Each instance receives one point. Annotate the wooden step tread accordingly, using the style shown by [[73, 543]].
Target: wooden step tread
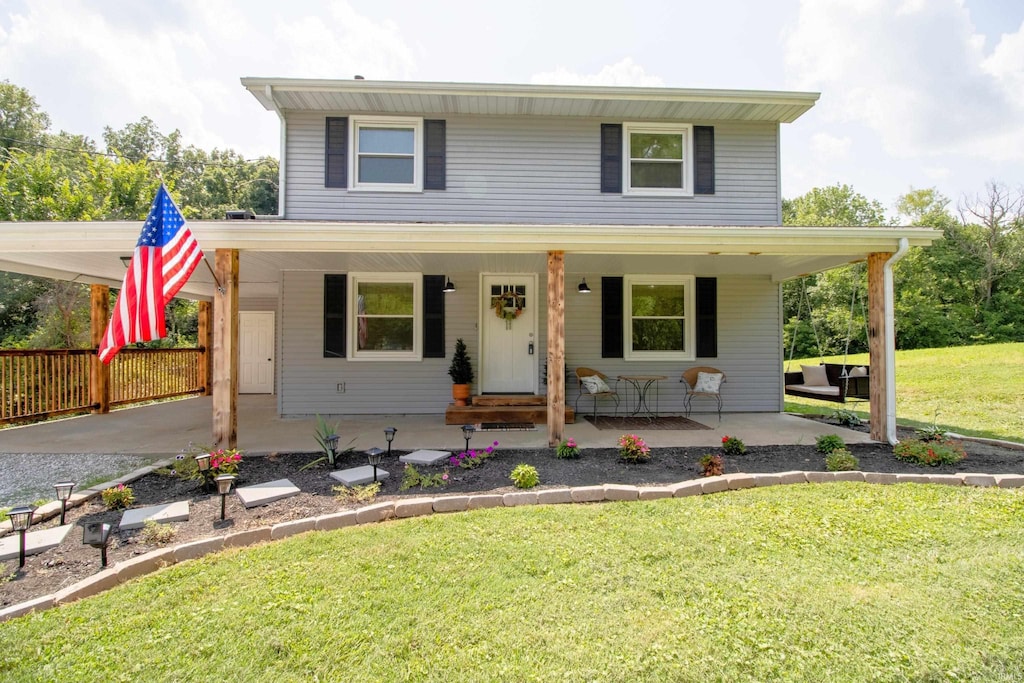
[[457, 415], [510, 400]]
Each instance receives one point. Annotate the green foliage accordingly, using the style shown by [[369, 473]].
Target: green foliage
[[568, 449], [711, 465], [633, 449], [22, 122], [733, 445], [931, 453], [845, 418], [118, 497], [155, 533], [524, 476], [840, 460], [472, 458], [826, 443], [322, 432], [411, 478], [357, 495], [460, 369]]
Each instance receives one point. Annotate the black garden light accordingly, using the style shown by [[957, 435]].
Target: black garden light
[[389, 436], [467, 433], [97, 534], [374, 457], [331, 441], [224, 483], [64, 489], [21, 520]]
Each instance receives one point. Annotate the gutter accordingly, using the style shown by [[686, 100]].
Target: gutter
[[890, 342], [269, 90]]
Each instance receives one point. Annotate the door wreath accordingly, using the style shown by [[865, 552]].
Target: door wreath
[[509, 305]]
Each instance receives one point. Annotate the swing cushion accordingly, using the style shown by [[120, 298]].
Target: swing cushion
[[858, 372], [814, 376]]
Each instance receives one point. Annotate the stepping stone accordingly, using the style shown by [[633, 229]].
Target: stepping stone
[[357, 476], [423, 457], [268, 492], [35, 542], [136, 518]]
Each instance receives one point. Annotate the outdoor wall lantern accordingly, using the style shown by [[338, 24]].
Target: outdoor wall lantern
[[224, 483], [64, 489], [449, 287], [374, 456], [389, 435], [21, 520], [97, 534], [467, 433], [584, 287]]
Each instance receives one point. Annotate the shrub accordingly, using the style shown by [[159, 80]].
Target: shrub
[[733, 446], [472, 458], [524, 476], [118, 497], [568, 449], [155, 533], [358, 495], [222, 461], [826, 443], [411, 477], [932, 453], [845, 418], [633, 449], [711, 465], [841, 460], [933, 433]]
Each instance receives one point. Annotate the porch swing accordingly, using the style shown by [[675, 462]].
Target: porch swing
[[835, 382]]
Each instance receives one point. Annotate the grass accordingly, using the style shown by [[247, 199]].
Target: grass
[[973, 390], [838, 582]]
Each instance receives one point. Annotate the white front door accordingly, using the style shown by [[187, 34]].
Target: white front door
[[256, 352], [509, 347]]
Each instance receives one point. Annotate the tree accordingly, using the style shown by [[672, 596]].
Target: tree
[[22, 123], [992, 232]]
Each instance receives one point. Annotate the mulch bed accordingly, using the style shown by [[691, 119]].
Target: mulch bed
[[71, 561]]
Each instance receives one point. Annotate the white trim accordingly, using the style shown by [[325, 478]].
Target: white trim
[[685, 130], [358, 122], [532, 301], [689, 283], [416, 280]]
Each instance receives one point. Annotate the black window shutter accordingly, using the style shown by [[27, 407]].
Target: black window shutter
[[434, 165], [611, 158], [335, 152], [707, 317], [611, 317], [703, 160], [433, 316], [335, 288]]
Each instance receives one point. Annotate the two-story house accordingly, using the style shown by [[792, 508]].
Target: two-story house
[[633, 230]]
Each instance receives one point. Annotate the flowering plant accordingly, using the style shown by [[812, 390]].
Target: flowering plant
[[225, 461], [412, 477], [711, 465], [733, 446], [472, 458], [568, 449], [117, 497], [633, 449], [931, 453]]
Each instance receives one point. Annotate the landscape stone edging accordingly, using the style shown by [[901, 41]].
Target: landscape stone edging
[[417, 507]]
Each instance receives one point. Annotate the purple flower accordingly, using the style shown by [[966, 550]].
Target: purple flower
[[495, 444], [489, 449]]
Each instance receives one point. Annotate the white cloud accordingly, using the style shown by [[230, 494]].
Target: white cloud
[[915, 72], [625, 72], [826, 146]]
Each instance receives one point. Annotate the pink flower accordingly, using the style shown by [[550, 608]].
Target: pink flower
[[444, 477]]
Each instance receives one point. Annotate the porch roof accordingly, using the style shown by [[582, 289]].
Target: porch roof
[[89, 251]]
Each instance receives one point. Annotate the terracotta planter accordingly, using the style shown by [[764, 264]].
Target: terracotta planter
[[460, 392]]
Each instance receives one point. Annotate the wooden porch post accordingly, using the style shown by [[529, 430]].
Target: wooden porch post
[[225, 351], [205, 340], [877, 357], [99, 373], [556, 347]]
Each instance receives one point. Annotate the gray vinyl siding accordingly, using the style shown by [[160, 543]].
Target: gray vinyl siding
[[748, 346], [539, 170]]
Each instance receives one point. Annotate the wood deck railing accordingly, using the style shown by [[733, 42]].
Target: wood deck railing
[[40, 383]]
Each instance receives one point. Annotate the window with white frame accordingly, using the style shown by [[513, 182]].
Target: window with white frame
[[660, 320], [387, 153], [385, 311], [658, 158]]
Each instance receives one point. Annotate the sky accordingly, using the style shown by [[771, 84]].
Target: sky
[[914, 93]]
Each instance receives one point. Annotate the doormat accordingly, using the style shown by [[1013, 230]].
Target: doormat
[[506, 427], [671, 422]]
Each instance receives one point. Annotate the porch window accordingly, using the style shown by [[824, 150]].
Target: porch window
[[385, 312], [386, 153], [658, 159], [660, 324]]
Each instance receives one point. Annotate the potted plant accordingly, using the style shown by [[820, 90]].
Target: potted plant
[[461, 372]]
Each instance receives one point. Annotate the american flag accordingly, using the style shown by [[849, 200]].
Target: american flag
[[164, 258]]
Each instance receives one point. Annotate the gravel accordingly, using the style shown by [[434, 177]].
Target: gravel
[[28, 477]]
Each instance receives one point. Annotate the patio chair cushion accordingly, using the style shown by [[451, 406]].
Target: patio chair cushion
[[708, 382], [595, 385], [814, 375], [859, 371]]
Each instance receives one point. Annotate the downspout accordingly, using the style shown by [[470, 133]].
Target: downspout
[[890, 342], [281, 163]]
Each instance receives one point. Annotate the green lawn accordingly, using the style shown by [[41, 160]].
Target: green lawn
[[975, 390], [841, 582]]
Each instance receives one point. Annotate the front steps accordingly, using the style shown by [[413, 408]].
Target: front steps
[[504, 410]]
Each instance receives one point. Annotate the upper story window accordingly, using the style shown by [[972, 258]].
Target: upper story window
[[385, 313], [658, 159], [660, 319], [387, 153]]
